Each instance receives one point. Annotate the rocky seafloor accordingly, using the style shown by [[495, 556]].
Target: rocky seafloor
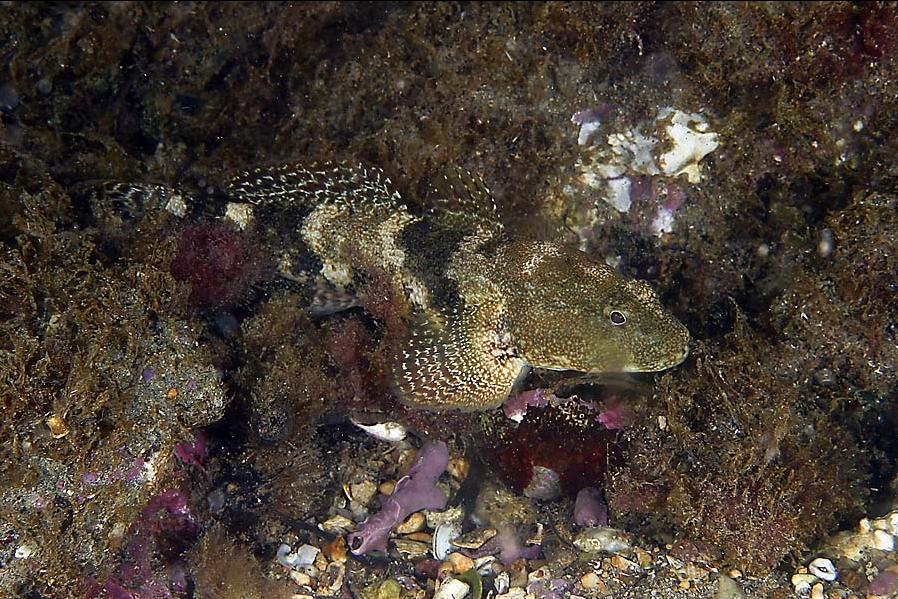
[[176, 425]]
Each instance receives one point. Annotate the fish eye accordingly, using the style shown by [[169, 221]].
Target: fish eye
[[617, 317]]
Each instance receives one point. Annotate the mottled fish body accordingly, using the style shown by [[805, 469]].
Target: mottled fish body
[[482, 308]]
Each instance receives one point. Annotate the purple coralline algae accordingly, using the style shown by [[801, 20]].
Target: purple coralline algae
[[417, 490]]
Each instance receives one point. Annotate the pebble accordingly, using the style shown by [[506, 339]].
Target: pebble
[[817, 591], [362, 492], [414, 523], [457, 563], [300, 578], [590, 581], [335, 550], [452, 589], [474, 539], [458, 468], [883, 540], [643, 558], [337, 525], [603, 539], [802, 583], [411, 549], [622, 563], [727, 588], [513, 593]]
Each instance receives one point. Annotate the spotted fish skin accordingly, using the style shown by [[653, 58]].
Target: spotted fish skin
[[482, 308]]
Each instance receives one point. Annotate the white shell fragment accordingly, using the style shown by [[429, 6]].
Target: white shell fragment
[[452, 589], [502, 582], [303, 556], [443, 536], [823, 569], [670, 146], [392, 432], [692, 140]]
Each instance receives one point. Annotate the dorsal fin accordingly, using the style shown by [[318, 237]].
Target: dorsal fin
[[356, 186], [461, 200], [119, 202]]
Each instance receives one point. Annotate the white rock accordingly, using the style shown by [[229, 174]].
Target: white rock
[[727, 588], [802, 583], [452, 589], [883, 541], [502, 582], [303, 556], [817, 591], [603, 539], [618, 193], [692, 142], [823, 569]]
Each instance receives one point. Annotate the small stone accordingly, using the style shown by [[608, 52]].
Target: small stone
[[300, 578], [622, 563], [643, 558], [388, 589], [414, 523], [474, 539], [386, 487], [412, 549], [817, 591], [363, 492], [802, 583], [883, 541], [590, 581], [727, 588], [333, 577], [58, 427], [823, 569], [603, 539], [501, 583], [458, 563], [459, 468], [337, 525], [452, 589]]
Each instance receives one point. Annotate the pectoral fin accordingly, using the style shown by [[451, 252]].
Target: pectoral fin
[[464, 366]]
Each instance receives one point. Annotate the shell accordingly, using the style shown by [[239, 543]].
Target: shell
[[442, 539]]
